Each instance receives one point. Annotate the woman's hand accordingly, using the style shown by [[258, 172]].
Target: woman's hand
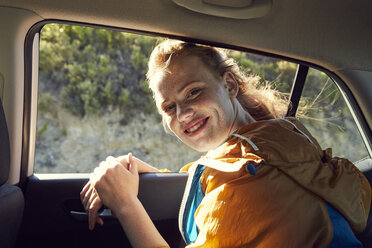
[[116, 182], [89, 197]]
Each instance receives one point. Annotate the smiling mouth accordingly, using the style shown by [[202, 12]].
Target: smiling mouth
[[197, 127]]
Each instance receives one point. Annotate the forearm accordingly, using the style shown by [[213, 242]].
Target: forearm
[[146, 168], [138, 226]]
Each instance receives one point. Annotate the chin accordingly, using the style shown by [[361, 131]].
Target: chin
[[201, 147]]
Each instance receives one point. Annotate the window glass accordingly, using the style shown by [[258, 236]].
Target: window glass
[[93, 99], [324, 112]]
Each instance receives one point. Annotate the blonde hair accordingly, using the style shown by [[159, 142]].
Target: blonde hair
[[261, 102]]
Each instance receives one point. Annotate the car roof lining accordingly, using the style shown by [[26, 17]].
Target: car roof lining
[[288, 20]]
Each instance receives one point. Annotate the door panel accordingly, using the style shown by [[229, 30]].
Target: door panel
[[48, 221]]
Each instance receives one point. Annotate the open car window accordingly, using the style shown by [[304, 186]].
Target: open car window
[[323, 110], [93, 102]]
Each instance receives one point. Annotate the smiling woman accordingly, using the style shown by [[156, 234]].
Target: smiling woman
[[253, 161], [74, 90]]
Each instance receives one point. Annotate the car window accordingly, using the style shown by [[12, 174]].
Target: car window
[[93, 99], [323, 110]]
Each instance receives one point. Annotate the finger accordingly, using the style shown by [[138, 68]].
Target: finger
[[86, 187], [92, 198], [130, 158], [132, 166], [84, 190], [87, 198], [100, 220], [92, 179], [110, 160], [123, 157], [98, 171], [93, 212], [115, 162], [92, 220], [124, 161]]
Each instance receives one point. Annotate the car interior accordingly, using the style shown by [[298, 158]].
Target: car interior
[[41, 208]]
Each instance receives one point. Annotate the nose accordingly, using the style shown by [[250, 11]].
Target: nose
[[184, 112]]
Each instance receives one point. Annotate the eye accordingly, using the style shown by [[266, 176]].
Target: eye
[[169, 108], [193, 93]]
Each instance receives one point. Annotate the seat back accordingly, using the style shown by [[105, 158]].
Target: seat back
[[11, 197]]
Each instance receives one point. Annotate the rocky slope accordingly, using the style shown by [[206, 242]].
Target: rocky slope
[[67, 143]]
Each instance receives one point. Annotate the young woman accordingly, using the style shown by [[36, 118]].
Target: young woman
[[265, 182]]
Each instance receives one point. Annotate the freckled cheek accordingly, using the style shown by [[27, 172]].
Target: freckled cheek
[[212, 105], [203, 101], [171, 122]]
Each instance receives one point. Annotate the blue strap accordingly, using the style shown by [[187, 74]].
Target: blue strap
[[194, 199], [343, 236], [251, 168]]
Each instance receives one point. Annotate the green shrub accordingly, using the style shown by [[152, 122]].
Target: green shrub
[[44, 102], [95, 68], [42, 130]]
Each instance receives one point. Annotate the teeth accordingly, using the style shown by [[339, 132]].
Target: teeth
[[194, 128]]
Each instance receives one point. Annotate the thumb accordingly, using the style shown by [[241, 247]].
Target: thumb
[[132, 165]]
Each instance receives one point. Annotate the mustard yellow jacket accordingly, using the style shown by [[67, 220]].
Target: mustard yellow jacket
[[280, 201]]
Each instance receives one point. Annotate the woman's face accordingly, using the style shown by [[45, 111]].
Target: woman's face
[[197, 105]]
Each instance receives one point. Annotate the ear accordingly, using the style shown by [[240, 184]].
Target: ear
[[231, 84]]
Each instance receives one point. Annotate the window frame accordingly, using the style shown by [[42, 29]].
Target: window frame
[[31, 67]]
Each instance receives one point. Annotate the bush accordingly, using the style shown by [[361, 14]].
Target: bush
[[44, 102], [95, 68]]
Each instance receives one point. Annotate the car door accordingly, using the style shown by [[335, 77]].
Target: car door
[[71, 124]]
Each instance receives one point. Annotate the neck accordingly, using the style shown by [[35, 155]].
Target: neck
[[242, 117]]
